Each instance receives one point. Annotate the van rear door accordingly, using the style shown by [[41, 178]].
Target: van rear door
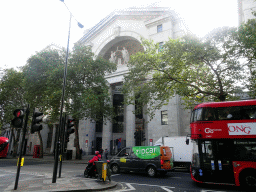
[[166, 158]]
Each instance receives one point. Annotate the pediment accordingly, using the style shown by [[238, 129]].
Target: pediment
[[148, 15]]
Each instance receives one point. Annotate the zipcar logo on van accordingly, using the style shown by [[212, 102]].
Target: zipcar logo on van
[[209, 130]]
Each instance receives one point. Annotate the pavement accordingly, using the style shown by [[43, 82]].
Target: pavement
[[42, 183]]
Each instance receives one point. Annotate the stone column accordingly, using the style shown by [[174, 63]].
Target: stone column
[[107, 129], [106, 135], [130, 125]]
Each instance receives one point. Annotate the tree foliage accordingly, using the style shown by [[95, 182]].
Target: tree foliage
[[246, 47], [198, 70], [43, 81], [11, 94], [87, 87]]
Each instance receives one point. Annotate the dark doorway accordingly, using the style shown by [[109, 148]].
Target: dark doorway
[[98, 143]]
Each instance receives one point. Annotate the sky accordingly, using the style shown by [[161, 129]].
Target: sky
[[28, 26]]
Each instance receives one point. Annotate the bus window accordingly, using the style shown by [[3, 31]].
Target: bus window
[[207, 149], [236, 113], [192, 116], [197, 115], [209, 114], [245, 150]]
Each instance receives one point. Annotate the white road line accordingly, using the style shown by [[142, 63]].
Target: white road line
[[131, 187], [164, 188], [210, 191], [115, 175], [149, 185]]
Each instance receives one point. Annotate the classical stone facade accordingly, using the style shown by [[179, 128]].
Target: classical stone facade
[[115, 38], [245, 8]]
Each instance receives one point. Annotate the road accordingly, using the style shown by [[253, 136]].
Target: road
[[172, 182]]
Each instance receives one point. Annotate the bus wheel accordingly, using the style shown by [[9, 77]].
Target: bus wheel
[[115, 168], [249, 180], [151, 171]]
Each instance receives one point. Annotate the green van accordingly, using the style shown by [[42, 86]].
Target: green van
[[149, 159]]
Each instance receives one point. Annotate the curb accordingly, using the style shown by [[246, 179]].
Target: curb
[[97, 189]]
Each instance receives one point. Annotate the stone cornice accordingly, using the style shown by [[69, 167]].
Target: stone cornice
[[146, 14]]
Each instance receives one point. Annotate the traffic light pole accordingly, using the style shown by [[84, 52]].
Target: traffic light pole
[[21, 149]]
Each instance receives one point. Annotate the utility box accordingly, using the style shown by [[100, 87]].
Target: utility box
[[36, 152]]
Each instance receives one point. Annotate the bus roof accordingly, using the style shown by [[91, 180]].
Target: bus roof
[[227, 104]]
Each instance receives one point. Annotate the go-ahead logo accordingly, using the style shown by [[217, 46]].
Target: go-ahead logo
[[209, 130]]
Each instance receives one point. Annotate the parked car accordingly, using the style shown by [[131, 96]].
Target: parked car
[[149, 159]]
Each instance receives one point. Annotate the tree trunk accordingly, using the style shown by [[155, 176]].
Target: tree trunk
[[41, 155], [78, 154], [222, 96]]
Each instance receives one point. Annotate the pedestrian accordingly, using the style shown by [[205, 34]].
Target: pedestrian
[[106, 154], [92, 170]]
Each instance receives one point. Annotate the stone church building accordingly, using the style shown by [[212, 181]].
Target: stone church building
[[116, 38]]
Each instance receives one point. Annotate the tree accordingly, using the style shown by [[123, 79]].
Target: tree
[[87, 88], [11, 98], [246, 46], [198, 70], [43, 78]]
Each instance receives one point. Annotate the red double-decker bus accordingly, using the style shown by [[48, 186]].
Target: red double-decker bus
[[4, 144], [224, 143]]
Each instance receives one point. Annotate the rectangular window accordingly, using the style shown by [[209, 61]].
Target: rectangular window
[[164, 118], [99, 124], [160, 46], [159, 28]]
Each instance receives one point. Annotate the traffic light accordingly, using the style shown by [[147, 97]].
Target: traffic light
[[70, 129], [136, 134], [18, 119], [35, 126], [143, 138]]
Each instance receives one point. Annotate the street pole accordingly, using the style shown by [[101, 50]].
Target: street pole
[[57, 142], [61, 108], [62, 141], [21, 149]]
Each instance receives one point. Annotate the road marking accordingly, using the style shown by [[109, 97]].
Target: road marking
[[115, 175], [210, 191], [164, 188], [131, 187], [149, 185]]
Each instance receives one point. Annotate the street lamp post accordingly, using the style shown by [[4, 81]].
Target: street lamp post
[[62, 124]]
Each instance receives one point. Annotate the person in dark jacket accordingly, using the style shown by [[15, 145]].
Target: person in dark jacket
[[106, 154]]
